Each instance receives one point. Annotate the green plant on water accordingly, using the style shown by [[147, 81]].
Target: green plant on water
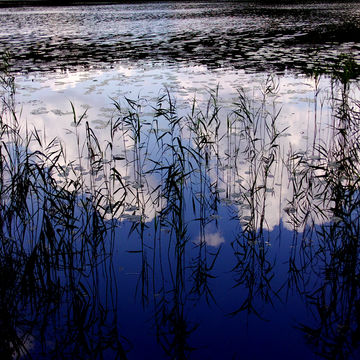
[[345, 69]]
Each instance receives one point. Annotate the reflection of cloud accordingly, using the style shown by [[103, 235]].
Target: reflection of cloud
[[240, 171], [211, 239], [275, 192]]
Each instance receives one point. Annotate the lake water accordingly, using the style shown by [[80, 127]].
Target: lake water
[[193, 186]]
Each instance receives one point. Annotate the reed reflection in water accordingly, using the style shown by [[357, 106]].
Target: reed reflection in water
[[187, 209]]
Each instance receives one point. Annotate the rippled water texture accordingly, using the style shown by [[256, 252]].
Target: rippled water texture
[[180, 181], [241, 35]]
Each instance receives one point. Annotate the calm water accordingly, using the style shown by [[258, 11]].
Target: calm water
[[201, 203]]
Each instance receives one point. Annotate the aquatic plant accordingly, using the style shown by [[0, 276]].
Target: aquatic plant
[[158, 190], [52, 239]]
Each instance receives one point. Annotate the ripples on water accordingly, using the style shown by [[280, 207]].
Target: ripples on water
[[162, 194], [241, 35]]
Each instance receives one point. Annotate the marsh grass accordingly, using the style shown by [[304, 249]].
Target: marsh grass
[[169, 179], [52, 245], [327, 187]]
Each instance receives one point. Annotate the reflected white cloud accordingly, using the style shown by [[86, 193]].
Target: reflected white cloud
[[300, 118], [214, 239]]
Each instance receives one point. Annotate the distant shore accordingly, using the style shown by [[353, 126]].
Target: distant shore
[[21, 3]]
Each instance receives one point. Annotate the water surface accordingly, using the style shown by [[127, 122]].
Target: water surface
[[241, 35], [179, 181]]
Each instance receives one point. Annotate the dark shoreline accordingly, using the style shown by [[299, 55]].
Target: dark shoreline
[[26, 3]]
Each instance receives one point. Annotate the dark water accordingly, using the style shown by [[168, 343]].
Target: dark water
[[240, 35], [216, 234]]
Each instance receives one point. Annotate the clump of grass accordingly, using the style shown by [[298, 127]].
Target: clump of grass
[[51, 235], [327, 187], [60, 217], [346, 69]]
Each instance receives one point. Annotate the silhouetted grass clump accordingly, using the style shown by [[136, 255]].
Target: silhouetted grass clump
[[160, 177]]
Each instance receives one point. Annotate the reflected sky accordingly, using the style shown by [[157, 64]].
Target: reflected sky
[[220, 207], [204, 207], [301, 107]]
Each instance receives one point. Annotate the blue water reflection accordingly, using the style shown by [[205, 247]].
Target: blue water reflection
[[194, 213], [180, 245]]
